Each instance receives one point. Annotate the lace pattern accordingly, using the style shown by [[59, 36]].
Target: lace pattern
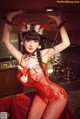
[[39, 81]]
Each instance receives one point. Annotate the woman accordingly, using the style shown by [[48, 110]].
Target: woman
[[51, 98]]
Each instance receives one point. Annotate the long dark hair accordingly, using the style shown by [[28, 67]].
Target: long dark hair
[[33, 35], [40, 61]]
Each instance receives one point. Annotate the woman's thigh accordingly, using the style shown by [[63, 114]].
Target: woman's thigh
[[54, 109], [37, 108]]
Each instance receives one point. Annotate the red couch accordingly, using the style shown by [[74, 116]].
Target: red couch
[[16, 106]]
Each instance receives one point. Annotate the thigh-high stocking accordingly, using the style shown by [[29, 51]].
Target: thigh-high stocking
[[37, 108], [54, 109]]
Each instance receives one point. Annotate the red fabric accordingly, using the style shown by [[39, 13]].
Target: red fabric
[[43, 85], [5, 104], [18, 107], [39, 81]]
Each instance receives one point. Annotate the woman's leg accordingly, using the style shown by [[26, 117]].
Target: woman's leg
[[37, 108], [55, 108]]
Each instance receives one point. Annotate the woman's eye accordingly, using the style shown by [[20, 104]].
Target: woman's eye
[[28, 40], [35, 40]]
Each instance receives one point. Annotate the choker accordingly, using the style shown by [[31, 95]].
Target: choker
[[29, 55]]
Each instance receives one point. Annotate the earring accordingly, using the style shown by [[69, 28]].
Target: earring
[[39, 47]]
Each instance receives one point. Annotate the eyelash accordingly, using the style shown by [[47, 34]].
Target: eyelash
[[34, 40]]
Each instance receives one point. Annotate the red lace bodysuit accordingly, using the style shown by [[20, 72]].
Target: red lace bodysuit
[[40, 82]]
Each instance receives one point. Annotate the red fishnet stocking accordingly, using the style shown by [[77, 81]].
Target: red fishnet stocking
[[54, 109], [37, 108]]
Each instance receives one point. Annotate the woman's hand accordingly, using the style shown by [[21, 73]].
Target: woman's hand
[[11, 15], [56, 18]]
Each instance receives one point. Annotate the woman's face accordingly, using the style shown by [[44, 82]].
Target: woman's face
[[31, 45]]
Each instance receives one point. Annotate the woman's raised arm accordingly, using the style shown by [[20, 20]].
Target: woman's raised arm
[[6, 35], [65, 42]]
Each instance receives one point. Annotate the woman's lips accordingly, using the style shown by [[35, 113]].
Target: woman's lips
[[30, 48]]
